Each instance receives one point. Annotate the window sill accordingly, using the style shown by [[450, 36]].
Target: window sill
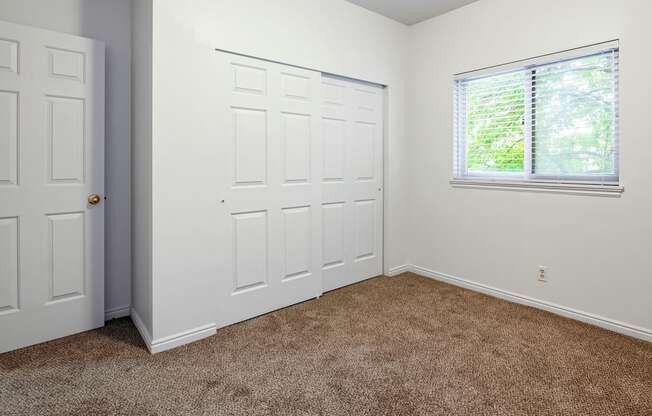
[[612, 191]]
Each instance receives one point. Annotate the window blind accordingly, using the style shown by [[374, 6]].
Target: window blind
[[548, 119]]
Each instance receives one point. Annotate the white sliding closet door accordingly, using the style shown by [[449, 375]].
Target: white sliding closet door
[[270, 220], [352, 181]]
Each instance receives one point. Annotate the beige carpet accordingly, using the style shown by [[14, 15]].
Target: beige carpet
[[388, 346]]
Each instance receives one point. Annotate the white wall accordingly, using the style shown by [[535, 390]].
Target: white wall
[[108, 21], [596, 249], [141, 98], [328, 35]]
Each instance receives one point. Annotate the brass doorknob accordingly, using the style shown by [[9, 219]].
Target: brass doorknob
[[94, 199]]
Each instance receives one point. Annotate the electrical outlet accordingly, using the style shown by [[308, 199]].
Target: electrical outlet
[[542, 274]]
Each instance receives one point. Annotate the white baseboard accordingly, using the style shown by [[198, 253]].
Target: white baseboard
[[600, 321], [142, 329], [182, 338], [395, 271], [173, 341], [115, 313]]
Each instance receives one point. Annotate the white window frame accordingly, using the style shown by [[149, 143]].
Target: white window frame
[[604, 185]]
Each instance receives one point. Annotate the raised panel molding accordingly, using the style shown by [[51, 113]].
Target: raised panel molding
[[67, 64], [333, 149], [333, 234], [364, 158], [9, 53], [250, 144], [249, 79], [333, 94], [66, 139], [366, 100], [296, 86], [296, 139], [9, 264], [298, 242], [365, 229], [9, 138], [66, 268], [250, 251]]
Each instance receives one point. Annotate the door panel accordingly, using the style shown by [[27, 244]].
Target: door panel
[[250, 135], [352, 181], [334, 230], [250, 233], [9, 243], [363, 161], [365, 230], [8, 137], [51, 160], [9, 55], [297, 243], [295, 136], [67, 65], [334, 150], [65, 137], [270, 250], [66, 255]]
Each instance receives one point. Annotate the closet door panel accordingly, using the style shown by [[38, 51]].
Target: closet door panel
[[269, 199], [352, 181]]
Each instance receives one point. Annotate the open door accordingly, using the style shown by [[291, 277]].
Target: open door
[[51, 185]]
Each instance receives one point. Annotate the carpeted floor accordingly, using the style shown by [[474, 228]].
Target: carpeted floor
[[388, 346]]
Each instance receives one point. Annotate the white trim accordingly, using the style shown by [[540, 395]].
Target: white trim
[[142, 329], [527, 68], [260, 58], [589, 318], [613, 191], [182, 338], [395, 271], [541, 60], [172, 341], [115, 313]]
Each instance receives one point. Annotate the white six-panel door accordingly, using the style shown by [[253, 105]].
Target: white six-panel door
[[270, 220], [300, 189], [352, 182], [51, 160]]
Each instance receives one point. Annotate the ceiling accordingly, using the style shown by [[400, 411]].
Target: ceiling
[[411, 11]]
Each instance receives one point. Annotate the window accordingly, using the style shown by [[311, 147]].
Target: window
[[552, 119]]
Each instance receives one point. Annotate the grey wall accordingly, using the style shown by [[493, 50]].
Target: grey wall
[[109, 21]]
